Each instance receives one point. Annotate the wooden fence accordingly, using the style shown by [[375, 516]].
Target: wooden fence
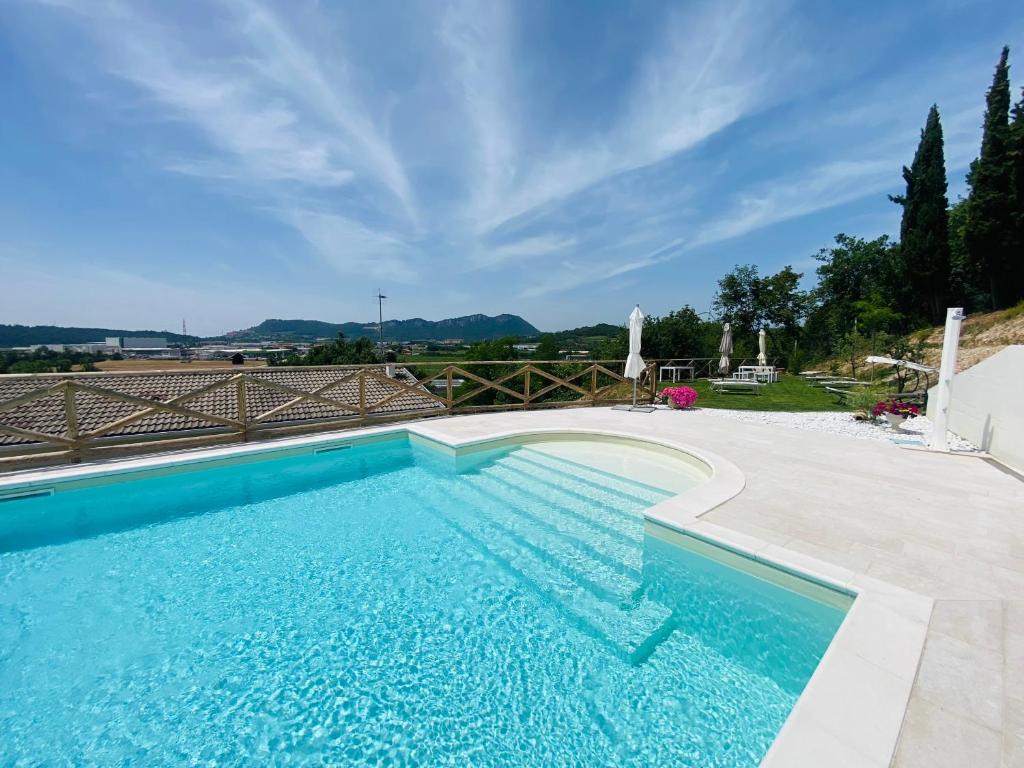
[[49, 418]]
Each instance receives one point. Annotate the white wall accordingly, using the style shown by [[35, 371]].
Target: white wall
[[988, 406]]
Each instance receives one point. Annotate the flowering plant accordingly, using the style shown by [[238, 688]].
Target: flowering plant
[[896, 407], [680, 397]]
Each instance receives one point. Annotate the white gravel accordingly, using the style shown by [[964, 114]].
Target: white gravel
[[917, 430]]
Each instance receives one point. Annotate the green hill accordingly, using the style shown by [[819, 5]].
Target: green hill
[[468, 328], [27, 335]]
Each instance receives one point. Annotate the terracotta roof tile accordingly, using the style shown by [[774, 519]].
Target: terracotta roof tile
[[46, 414]]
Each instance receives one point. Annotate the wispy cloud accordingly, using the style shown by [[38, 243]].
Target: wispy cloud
[[569, 274], [812, 190], [352, 248], [296, 69], [708, 71], [524, 249], [479, 36], [276, 120]]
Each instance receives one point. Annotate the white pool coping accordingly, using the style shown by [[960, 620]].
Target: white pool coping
[[851, 711]]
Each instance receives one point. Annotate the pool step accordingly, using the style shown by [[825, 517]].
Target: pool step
[[618, 485], [588, 484], [619, 537], [632, 625], [604, 577], [614, 516]]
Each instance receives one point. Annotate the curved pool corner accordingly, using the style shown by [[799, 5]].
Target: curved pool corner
[[723, 479]]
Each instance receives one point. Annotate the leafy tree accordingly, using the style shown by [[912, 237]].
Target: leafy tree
[[774, 302], [677, 334], [30, 366], [495, 350], [341, 351], [547, 348], [614, 347], [498, 349], [924, 231], [858, 284], [965, 281], [989, 234]]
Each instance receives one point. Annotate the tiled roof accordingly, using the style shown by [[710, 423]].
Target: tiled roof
[[47, 414]]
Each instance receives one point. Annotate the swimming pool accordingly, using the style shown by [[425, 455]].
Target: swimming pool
[[384, 603]]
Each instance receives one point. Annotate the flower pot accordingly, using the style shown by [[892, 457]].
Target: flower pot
[[895, 420]]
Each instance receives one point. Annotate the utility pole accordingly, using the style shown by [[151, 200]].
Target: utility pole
[[186, 352], [380, 322]]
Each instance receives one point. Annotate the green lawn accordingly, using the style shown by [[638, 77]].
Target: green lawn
[[440, 358], [789, 393]]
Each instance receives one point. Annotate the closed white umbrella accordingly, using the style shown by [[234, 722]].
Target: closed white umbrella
[[725, 348], [762, 349], [635, 365]]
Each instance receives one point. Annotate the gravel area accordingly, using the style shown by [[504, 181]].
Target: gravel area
[[915, 431]]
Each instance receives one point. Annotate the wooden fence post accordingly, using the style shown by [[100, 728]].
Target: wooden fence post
[[362, 394], [449, 398], [243, 406], [71, 419]]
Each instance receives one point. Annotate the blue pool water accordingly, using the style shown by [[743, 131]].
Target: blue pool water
[[371, 606]]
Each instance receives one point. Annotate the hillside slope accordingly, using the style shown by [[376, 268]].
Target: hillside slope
[[26, 335], [981, 336]]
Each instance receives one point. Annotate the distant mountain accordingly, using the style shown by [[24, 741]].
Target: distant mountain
[[468, 328], [26, 335]]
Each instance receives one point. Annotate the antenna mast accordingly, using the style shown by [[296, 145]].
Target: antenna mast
[[380, 322]]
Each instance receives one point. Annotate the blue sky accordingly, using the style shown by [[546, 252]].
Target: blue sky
[[236, 160]]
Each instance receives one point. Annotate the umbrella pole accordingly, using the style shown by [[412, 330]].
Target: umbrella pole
[[634, 393]]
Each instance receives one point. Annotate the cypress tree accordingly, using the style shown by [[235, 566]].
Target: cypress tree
[[1017, 160], [989, 231], [924, 231]]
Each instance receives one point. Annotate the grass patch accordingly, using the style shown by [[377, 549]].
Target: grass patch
[[439, 358], [789, 393]]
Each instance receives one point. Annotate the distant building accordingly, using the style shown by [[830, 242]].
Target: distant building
[[49, 347], [574, 354], [143, 342], [92, 347], [238, 359], [525, 347]]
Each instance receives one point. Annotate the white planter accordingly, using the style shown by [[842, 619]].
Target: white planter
[[895, 420]]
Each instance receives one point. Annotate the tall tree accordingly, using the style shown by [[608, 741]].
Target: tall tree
[[989, 234], [924, 231], [966, 288], [1017, 159]]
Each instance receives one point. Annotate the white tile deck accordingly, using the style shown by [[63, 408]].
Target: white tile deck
[[905, 529]]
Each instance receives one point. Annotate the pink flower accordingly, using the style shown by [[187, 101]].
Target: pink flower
[[896, 407], [681, 397]]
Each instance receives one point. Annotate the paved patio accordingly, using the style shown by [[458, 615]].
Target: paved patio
[[947, 527]]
